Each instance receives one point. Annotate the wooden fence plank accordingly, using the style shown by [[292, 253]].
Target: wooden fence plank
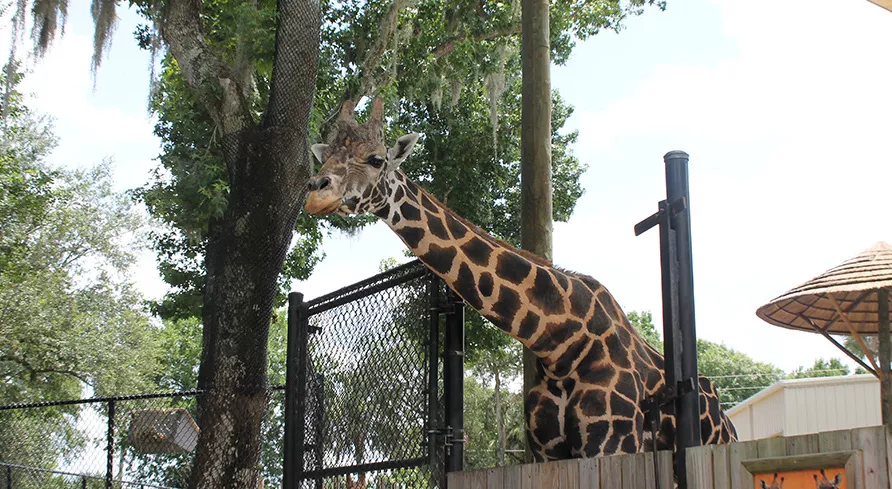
[[495, 478], [872, 441], [481, 479], [649, 479], [511, 478], [737, 453], [455, 480], [802, 444], [721, 475], [529, 476], [569, 474], [667, 472], [634, 471], [699, 467], [611, 472], [835, 441], [589, 475], [548, 475], [889, 454], [771, 447]]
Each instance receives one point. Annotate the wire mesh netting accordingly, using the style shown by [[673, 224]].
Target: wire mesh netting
[[368, 384], [142, 441]]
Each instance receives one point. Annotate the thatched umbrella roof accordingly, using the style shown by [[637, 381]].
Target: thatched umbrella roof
[[839, 300]]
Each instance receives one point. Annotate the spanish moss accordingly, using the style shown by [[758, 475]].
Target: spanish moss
[[49, 15], [18, 27], [104, 18], [494, 86]]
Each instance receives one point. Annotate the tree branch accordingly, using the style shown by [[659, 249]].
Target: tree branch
[[450, 46], [295, 64], [204, 72]]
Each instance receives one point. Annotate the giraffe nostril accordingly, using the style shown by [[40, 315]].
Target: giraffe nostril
[[319, 183]]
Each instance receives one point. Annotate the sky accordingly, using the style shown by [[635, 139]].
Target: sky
[[783, 106]]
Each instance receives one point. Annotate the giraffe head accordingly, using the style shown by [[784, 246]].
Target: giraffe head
[[356, 164], [824, 483], [775, 483]]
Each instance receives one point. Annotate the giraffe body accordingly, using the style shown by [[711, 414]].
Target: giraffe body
[[596, 370]]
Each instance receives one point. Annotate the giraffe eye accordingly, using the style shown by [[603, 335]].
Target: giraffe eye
[[375, 161]]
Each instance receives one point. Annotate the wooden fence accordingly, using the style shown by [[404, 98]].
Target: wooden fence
[[864, 453], [619, 471]]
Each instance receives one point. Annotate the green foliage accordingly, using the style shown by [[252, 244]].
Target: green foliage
[[189, 192], [494, 405], [481, 425], [821, 368], [430, 52], [67, 310], [69, 317], [643, 323], [735, 374]]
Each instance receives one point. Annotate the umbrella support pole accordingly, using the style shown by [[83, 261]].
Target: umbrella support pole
[[884, 354]]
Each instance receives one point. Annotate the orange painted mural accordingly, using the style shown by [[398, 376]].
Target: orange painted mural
[[802, 479]]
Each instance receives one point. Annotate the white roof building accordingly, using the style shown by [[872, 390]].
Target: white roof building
[[802, 406]]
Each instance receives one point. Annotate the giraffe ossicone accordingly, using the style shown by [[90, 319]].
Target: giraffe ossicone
[[596, 369]]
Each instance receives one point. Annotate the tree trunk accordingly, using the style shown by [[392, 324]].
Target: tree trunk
[[244, 258], [500, 421], [535, 160], [268, 167]]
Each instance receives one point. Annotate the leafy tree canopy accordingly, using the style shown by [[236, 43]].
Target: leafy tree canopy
[[455, 67], [735, 374], [821, 368], [68, 312]]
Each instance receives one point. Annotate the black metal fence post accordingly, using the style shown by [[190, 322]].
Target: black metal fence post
[[453, 383], [110, 452], [688, 402], [679, 329], [433, 377], [8, 477], [295, 390]]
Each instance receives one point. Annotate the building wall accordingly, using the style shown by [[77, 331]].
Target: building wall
[[801, 406], [827, 406], [761, 418]]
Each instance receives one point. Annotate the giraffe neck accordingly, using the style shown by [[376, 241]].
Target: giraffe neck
[[555, 314]]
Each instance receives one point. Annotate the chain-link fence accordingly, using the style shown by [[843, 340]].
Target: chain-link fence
[[366, 408], [372, 403], [142, 441]]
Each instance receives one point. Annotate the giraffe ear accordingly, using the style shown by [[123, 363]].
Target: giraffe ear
[[317, 150], [401, 150], [837, 480], [764, 486]]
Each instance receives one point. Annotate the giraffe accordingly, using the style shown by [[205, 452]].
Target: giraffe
[[775, 483], [595, 368], [824, 483]]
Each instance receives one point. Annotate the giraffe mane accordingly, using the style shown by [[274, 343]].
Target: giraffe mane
[[587, 279], [486, 235]]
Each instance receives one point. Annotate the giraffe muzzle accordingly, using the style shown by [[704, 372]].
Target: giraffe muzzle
[[320, 202]]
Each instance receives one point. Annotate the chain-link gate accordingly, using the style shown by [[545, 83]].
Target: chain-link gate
[[367, 364]]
